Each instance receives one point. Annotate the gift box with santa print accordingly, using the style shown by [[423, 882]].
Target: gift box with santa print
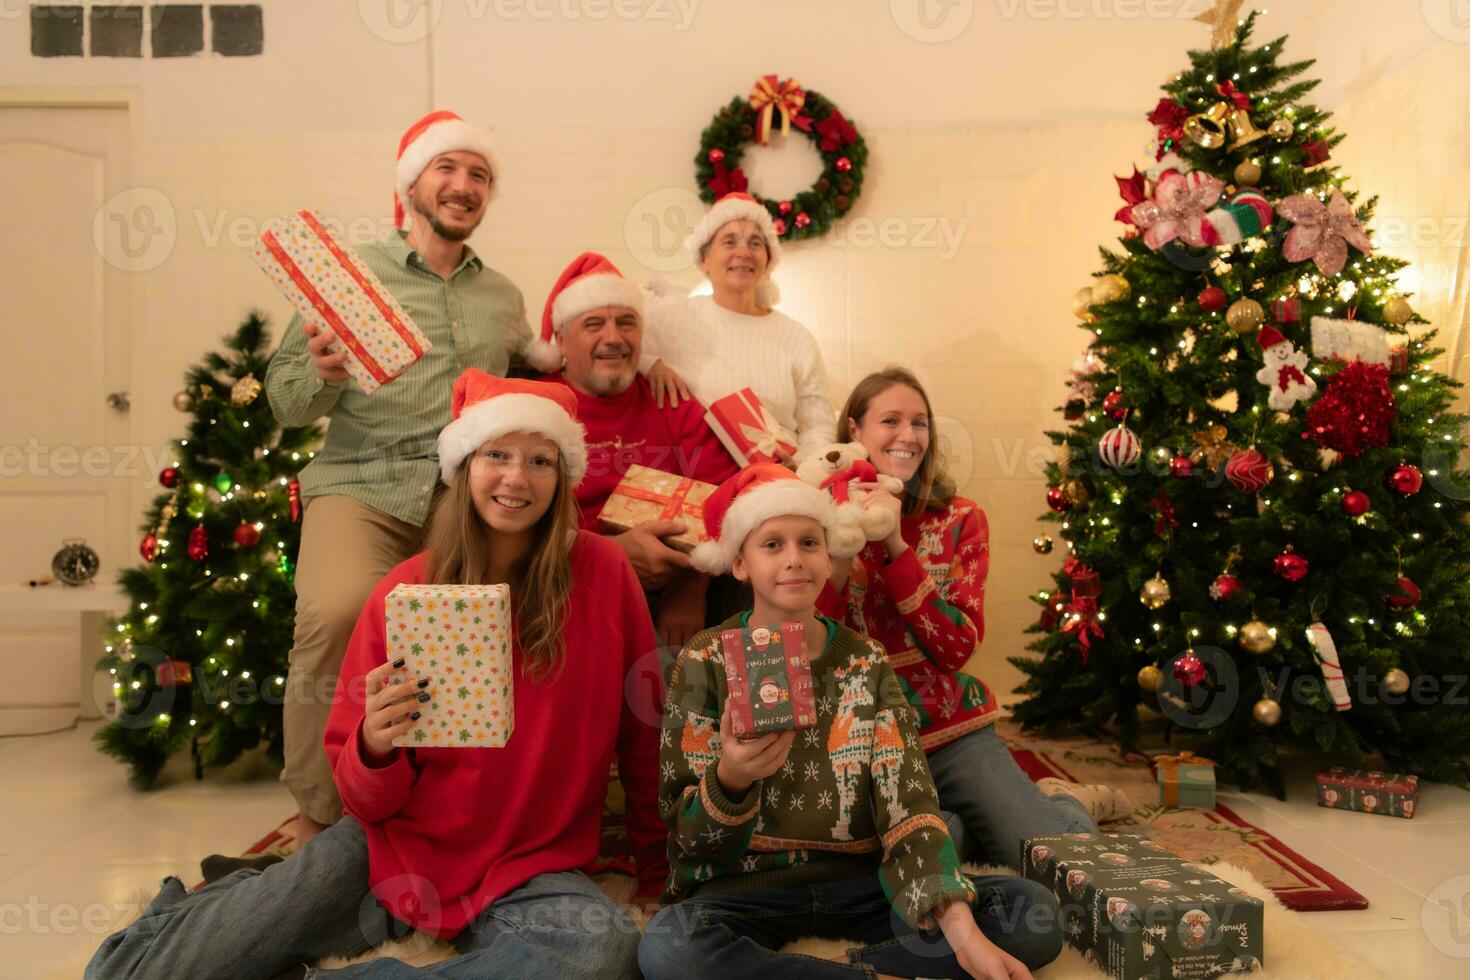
[[1135, 910], [1368, 791], [769, 682], [646, 494], [747, 429], [457, 636], [331, 286]]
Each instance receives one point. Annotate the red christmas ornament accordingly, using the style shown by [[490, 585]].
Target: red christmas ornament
[[293, 494], [1315, 152], [1355, 503], [1249, 470], [1112, 405], [1189, 670], [198, 543], [1353, 413], [1290, 565], [1211, 298], [1405, 480], [802, 219], [1057, 500], [169, 478], [779, 226], [1180, 467], [716, 155], [148, 547], [1225, 587], [1407, 594], [246, 535], [843, 165], [784, 207]]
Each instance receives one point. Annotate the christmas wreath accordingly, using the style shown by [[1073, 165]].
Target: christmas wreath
[[746, 120]]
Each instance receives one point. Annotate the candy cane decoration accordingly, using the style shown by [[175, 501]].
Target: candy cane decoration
[[1326, 651]]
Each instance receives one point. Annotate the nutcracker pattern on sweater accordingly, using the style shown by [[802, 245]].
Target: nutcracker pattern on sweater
[[853, 798], [927, 609]]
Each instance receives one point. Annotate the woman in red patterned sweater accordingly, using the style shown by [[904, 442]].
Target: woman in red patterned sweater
[[921, 593]]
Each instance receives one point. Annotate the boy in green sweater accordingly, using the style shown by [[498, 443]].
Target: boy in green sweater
[[833, 831]]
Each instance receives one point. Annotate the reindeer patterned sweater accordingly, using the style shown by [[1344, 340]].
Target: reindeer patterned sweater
[[854, 797]]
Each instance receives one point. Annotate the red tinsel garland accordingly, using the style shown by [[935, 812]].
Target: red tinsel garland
[[1355, 411]]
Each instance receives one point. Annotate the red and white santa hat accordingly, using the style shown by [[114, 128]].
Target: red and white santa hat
[[439, 132], [753, 496], [735, 206], [486, 407], [1268, 337], [590, 282]]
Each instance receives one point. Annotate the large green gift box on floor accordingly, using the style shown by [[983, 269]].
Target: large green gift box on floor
[[1135, 910]]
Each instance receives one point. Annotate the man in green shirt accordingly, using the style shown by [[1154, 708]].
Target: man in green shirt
[[368, 491]]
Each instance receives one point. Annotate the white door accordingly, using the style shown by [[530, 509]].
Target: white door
[[66, 462]]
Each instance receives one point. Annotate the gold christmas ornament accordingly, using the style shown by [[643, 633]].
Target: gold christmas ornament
[[244, 391], [1155, 592], [1110, 289], [1397, 311], [184, 402], [1245, 315], [1041, 544], [1256, 637], [1082, 305], [1207, 129], [1266, 713], [1242, 130], [1395, 681], [1076, 492], [1150, 677], [1247, 173], [1280, 128]]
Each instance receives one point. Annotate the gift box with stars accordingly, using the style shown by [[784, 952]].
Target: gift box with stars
[[457, 636], [1136, 910]]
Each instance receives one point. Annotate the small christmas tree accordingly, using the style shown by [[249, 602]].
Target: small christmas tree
[[1259, 492], [200, 658]]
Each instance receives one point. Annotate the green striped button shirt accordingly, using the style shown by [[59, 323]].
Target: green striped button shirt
[[382, 448]]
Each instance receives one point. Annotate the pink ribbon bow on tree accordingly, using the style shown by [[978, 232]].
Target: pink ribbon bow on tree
[[1177, 209], [1322, 232]]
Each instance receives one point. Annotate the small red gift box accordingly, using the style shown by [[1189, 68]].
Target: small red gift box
[[1368, 791], [647, 494], [1286, 310], [1398, 360], [747, 429], [174, 673]]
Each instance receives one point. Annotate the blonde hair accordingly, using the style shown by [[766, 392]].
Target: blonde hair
[[458, 546], [930, 488]]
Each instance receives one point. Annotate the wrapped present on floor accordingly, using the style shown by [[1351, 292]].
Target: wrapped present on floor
[[458, 636], [330, 285], [646, 494], [769, 683], [1135, 910], [1186, 781], [1368, 791], [747, 429]]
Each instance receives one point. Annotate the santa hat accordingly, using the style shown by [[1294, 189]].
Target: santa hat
[[590, 282], [753, 496], [438, 132], [739, 206], [486, 407], [1268, 337]]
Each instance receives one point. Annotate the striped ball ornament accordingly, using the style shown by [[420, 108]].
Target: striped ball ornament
[[1249, 470], [1119, 447]]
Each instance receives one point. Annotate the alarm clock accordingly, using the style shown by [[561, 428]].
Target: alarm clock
[[75, 563]]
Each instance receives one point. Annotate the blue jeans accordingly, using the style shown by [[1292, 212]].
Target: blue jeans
[[992, 806], [318, 904], [736, 934]]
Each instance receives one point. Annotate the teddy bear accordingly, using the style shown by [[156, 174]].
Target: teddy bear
[[838, 466]]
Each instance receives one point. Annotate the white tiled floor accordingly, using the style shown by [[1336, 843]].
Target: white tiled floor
[[78, 842]]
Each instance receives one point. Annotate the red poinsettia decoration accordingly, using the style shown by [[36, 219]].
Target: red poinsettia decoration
[[1132, 191], [1169, 116], [726, 181], [836, 132], [1228, 90], [1354, 412]]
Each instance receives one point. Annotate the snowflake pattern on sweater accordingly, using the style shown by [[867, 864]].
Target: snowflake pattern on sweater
[[858, 796]]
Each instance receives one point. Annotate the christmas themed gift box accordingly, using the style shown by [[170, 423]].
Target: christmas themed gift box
[[747, 429], [646, 494], [458, 636], [1135, 910], [329, 285], [1186, 781], [1368, 791], [769, 683]]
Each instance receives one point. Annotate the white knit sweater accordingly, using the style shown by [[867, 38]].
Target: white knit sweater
[[718, 352]]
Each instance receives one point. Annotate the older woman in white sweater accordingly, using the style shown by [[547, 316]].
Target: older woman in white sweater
[[715, 345]]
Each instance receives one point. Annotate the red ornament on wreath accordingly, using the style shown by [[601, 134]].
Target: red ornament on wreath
[[784, 207], [1189, 670], [1211, 298], [716, 155], [1407, 596], [198, 543], [1405, 479], [1225, 587], [169, 478], [1355, 503], [843, 165], [1056, 499], [148, 547], [247, 535], [1290, 566], [780, 227], [1249, 471]]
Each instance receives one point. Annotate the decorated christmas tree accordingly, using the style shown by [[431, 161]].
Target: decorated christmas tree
[[199, 660], [1258, 492]]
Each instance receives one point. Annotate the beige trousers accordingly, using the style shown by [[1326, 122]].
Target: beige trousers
[[346, 549]]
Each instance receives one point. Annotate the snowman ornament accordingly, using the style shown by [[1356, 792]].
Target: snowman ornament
[[1285, 373]]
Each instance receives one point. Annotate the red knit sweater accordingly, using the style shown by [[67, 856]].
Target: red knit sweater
[[451, 830], [927, 608]]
